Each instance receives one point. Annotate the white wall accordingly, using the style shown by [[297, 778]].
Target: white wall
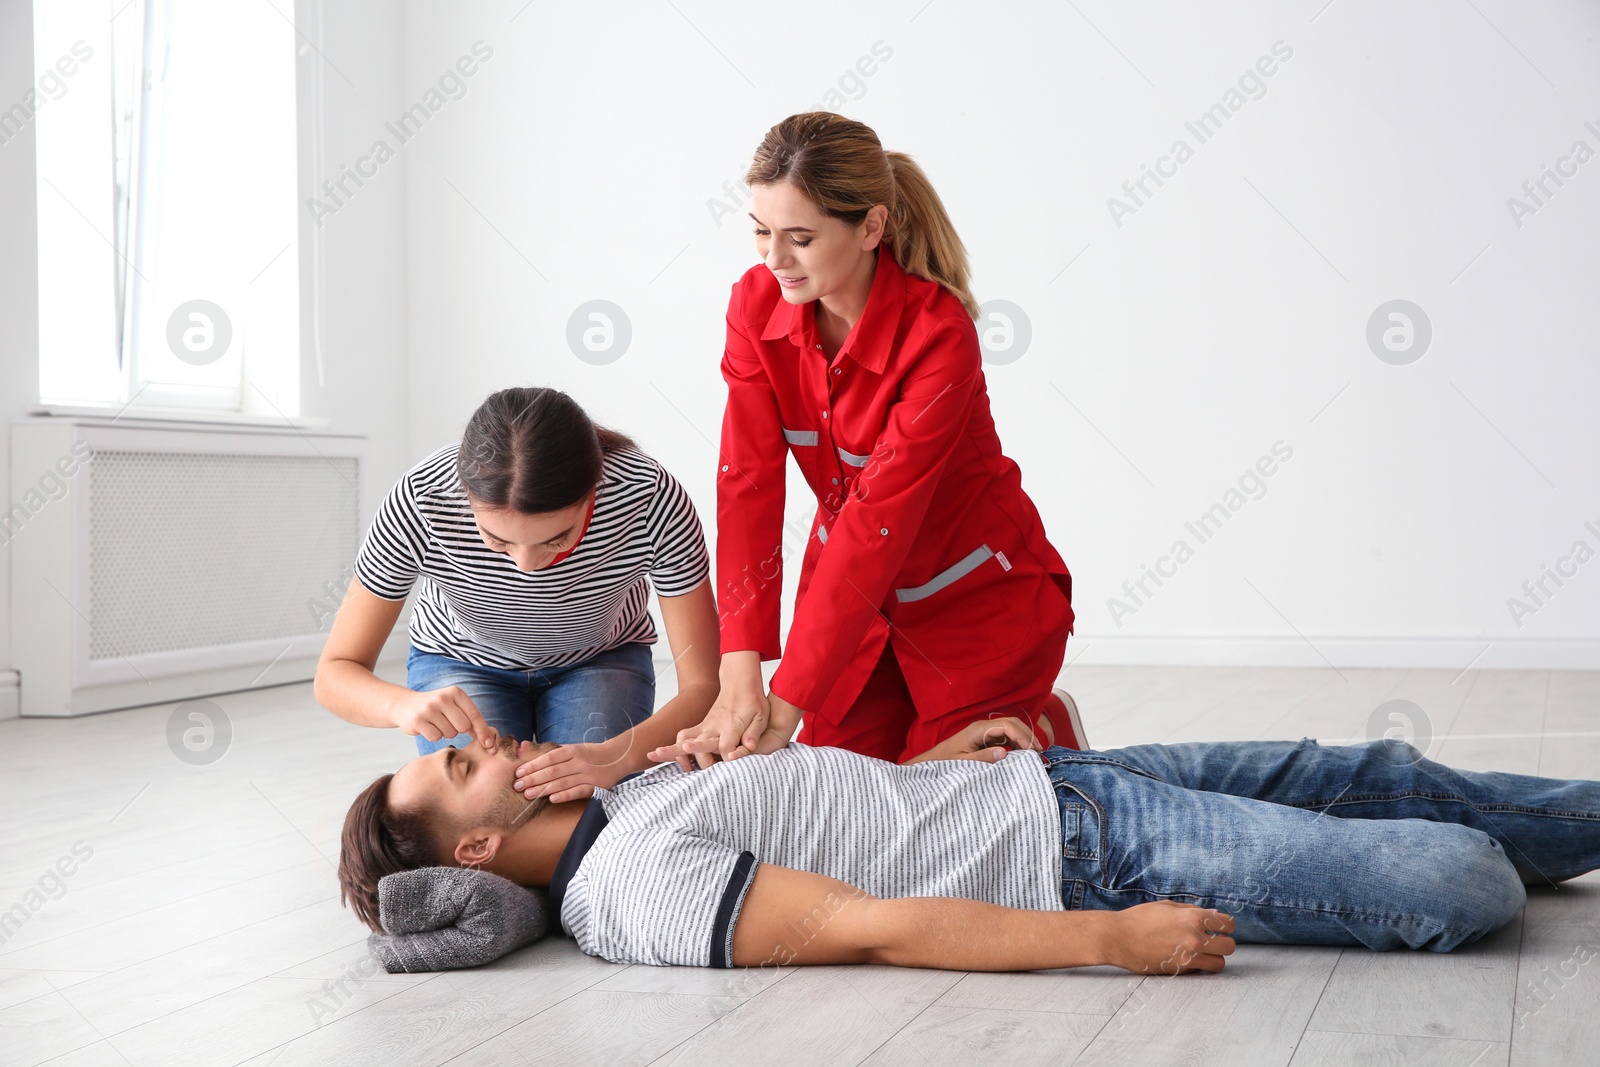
[[1221, 316], [1226, 313], [19, 292], [358, 380], [361, 385]]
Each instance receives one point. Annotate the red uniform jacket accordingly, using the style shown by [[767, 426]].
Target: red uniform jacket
[[922, 537]]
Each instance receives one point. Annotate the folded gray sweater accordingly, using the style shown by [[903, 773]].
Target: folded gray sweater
[[443, 918]]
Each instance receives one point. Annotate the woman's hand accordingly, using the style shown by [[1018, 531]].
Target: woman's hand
[[986, 739], [442, 713], [1168, 937], [704, 743], [572, 772], [734, 722], [732, 728]]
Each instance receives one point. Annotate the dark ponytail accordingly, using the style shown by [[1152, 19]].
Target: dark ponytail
[[533, 450]]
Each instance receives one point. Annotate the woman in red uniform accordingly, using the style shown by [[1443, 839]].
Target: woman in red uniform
[[929, 596]]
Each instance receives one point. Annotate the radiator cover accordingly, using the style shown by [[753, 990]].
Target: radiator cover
[[177, 562], [199, 550]]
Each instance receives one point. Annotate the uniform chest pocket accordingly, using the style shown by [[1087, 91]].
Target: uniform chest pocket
[[854, 459], [810, 439]]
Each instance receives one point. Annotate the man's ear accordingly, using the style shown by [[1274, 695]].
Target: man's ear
[[478, 847]]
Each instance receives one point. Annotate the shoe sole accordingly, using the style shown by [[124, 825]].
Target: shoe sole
[[1074, 723]]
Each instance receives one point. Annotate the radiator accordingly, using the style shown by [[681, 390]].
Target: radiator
[[154, 564]]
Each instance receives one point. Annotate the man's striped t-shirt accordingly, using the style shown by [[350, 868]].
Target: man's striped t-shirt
[[658, 867], [473, 604]]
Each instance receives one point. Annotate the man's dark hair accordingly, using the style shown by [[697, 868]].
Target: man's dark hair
[[533, 450], [379, 839]]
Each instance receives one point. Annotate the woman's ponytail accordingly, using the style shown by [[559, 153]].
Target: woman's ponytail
[[924, 239], [841, 166]]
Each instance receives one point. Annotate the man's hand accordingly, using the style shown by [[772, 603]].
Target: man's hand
[[572, 772], [987, 739], [1166, 937]]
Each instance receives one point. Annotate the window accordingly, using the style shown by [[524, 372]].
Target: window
[[168, 231]]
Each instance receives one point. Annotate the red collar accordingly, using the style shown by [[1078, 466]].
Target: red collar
[[573, 547], [872, 335]]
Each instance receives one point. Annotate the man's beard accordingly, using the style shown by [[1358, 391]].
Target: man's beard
[[514, 809], [504, 811]]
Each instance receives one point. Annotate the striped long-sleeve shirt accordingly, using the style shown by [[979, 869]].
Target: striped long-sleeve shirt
[[473, 604], [658, 867]]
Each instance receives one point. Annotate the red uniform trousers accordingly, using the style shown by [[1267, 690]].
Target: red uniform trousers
[[883, 722]]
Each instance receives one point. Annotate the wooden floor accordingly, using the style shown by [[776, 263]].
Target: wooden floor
[[205, 928]]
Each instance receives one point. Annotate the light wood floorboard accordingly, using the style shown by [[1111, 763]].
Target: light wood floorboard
[[205, 928]]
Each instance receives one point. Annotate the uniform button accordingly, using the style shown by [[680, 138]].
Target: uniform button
[[884, 531], [819, 348], [724, 466], [824, 414], [836, 481]]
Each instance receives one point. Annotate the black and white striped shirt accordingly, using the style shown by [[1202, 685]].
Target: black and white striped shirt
[[473, 604], [658, 867]]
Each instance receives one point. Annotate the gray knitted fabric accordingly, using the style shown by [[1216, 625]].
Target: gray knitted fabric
[[443, 918]]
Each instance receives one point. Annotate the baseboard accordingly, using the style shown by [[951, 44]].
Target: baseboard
[[166, 689], [1500, 653]]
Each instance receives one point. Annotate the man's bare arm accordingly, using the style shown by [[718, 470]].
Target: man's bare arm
[[987, 740], [794, 916]]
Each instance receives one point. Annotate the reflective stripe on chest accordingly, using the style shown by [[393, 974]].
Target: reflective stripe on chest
[[853, 459]]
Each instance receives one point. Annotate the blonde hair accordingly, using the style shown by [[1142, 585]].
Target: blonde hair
[[841, 166]]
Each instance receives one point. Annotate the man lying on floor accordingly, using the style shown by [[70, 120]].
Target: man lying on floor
[[973, 857]]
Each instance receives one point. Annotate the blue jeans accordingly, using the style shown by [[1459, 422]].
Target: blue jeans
[[1350, 844], [593, 700]]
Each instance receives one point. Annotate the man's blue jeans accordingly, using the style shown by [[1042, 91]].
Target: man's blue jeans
[[594, 700], [1303, 844]]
